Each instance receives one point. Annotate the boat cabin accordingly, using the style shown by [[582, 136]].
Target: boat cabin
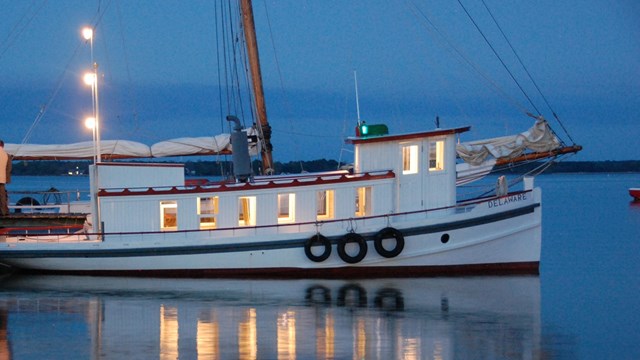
[[393, 174], [424, 163]]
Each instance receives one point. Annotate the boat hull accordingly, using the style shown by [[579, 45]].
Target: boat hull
[[635, 193], [499, 235]]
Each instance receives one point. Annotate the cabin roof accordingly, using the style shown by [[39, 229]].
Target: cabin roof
[[408, 136]]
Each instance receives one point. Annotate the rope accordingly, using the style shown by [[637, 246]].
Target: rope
[[439, 34], [535, 84], [499, 58], [19, 28]]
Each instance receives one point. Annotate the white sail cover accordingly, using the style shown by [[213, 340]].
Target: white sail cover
[[86, 149], [539, 138], [191, 146], [206, 145]]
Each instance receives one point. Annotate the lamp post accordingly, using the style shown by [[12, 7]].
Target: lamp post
[[90, 123], [91, 79]]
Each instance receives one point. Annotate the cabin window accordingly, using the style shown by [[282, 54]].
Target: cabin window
[[363, 201], [247, 211], [436, 155], [207, 212], [286, 208], [168, 215], [410, 159], [324, 204]]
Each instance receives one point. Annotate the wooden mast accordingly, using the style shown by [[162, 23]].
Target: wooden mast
[[256, 78]]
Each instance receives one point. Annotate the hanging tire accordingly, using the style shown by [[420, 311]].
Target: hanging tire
[[26, 201], [389, 233], [352, 238], [317, 240]]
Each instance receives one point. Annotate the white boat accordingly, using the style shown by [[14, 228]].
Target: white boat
[[395, 214]]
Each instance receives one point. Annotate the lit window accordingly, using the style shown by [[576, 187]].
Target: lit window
[[324, 204], [207, 212], [363, 201], [286, 208], [409, 159], [247, 211], [168, 215], [436, 155]]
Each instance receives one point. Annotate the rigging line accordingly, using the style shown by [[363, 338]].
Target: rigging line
[[498, 56], [466, 59], [225, 49], [19, 27], [58, 86], [128, 70], [447, 84], [275, 55], [535, 84], [238, 53], [235, 73], [217, 34], [240, 57]]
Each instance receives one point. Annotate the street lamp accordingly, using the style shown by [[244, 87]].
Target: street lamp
[[91, 79]]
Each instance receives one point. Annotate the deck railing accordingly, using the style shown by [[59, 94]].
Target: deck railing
[[349, 224], [50, 201]]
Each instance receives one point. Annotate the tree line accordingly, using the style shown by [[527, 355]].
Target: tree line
[[223, 168], [195, 168]]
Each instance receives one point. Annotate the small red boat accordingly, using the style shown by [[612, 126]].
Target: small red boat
[[635, 193]]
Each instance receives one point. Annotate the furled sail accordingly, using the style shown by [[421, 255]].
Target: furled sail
[[81, 150], [125, 149], [538, 138], [481, 156]]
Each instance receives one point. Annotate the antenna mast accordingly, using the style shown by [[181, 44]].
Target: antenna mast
[[355, 78]]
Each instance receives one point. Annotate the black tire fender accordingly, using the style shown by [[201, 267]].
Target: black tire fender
[[349, 238], [317, 239], [389, 233]]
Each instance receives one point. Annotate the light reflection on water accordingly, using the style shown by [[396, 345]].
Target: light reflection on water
[[432, 318]]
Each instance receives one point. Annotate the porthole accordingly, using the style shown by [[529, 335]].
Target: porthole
[[444, 238]]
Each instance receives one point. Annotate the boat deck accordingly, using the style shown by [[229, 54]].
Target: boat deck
[[41, 219], [53, 238]]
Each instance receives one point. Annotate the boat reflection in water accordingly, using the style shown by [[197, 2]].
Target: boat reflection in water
[[432, 318]]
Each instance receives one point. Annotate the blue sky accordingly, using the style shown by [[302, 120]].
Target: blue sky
[[159, 63]]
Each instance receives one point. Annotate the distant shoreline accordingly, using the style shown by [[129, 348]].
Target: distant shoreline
[[216, 168]]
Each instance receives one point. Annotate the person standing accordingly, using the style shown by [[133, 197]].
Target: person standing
[[5, 178]]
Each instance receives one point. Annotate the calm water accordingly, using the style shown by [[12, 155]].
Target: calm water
[[584, 304]]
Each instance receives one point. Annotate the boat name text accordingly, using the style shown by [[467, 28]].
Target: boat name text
[[507, 200]]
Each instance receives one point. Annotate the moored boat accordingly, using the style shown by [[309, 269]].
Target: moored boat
[[635, 193], [395, 214]]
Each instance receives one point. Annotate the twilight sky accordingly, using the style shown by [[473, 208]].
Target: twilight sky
[[160, 72]]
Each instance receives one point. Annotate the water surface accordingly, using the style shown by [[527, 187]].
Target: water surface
[[583, 305]]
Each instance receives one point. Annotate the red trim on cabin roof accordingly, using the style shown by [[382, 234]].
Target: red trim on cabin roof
[[272, 184], [400, 137], [139, 164]]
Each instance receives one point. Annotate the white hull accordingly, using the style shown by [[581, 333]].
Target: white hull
[[487, 239]]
